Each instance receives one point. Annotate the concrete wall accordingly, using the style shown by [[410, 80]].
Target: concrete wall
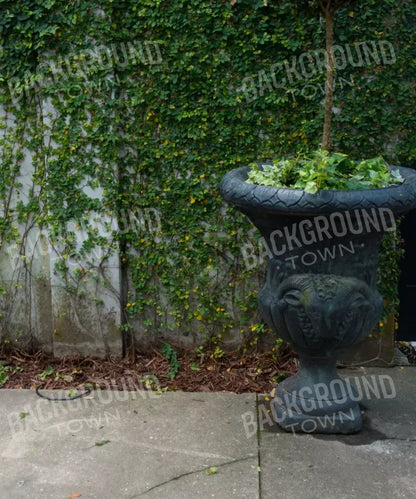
[[37, 310]]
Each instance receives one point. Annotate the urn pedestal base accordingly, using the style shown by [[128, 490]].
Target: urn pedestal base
[[317, 400], [336, 422]]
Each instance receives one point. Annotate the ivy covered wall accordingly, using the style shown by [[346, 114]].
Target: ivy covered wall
[[118, 120]]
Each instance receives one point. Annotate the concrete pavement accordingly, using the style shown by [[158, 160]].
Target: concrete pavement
[[187, 445]]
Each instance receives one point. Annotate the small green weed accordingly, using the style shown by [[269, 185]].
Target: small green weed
[[279, 378], [47, 372], [3, 378], [172, 356], [7, 369], [150, 381]]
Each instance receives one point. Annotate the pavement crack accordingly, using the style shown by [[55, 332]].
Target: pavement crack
[[258, 444], [178, 477]]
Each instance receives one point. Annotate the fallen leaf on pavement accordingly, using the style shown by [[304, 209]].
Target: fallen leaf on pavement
[[102, 442]]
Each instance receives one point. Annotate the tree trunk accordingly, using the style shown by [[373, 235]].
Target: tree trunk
[[329, 87]]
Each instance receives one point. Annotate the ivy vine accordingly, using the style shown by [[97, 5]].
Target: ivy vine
[[116, 108]]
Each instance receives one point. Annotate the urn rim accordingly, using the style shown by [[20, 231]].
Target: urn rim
[[399, 198]]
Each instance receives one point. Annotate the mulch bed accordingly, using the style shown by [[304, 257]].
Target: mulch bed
[[233, 372], [236, 372]]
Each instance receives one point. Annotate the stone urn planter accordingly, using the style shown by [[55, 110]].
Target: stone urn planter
[[320, 292]]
